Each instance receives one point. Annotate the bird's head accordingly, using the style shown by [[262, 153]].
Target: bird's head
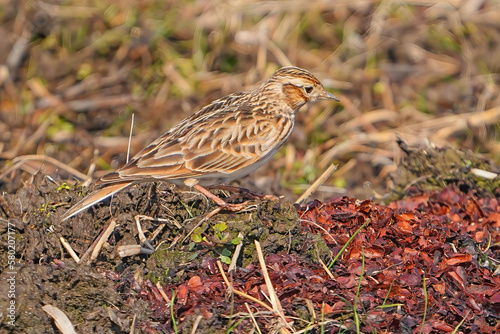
[[298, 87]]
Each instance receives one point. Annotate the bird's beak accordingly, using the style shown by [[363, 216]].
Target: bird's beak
[[328, 96]]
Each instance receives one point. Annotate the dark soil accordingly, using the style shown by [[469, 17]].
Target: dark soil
[[449, 238], [423, 259]]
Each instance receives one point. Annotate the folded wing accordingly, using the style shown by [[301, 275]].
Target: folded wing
[[235, 139]]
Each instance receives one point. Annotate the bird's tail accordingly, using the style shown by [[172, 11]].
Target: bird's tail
[[96, 197]]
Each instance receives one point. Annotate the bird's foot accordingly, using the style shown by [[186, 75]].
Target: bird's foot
[[220, 202]]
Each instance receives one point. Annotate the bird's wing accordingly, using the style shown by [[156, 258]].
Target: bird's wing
[[232, 139], [96, 197]]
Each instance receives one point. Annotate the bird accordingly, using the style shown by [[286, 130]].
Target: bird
[[223, 141]]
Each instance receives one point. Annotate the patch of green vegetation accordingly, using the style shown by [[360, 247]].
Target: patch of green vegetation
[[103, 164], [339, 182], [60, 124], [63, 186], [45, 211], [442, 39], [421, 102], [217, 238], [84, 71], [228, 62], [166, 258], [319, 136]]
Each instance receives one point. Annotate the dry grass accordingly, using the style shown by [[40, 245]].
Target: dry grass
[[73, 74]]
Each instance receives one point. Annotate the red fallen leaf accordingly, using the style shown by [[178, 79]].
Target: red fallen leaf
[[182, 292], [442, 326], [442, 266], [427, 259], [152, 292], [355, 268], [403, 225], [346, 282], [342, 239], [455, 218], [338, 306], [448, 195], [481, 289], [206, 313], [494, 217], [475, 305], [377, 316], [410, 253], [463, 275], [410, 204], [427, 328], [457, 278], [373, 252], [195, 284], [327, 309], [480, 235], [402, 296], [263, 289], [407, 216], [440, 287], [354, 253], [438, 210], [495, 298], [459, 258], [411, 279]]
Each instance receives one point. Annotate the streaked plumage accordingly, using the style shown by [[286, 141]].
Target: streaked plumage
[[223, 141]]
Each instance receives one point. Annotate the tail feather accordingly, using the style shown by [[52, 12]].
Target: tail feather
[[96, 197]]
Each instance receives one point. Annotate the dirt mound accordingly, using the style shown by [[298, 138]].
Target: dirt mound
[[427, 261]]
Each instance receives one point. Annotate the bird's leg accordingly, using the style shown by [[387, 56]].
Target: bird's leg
[[244, 192], [219, 201]]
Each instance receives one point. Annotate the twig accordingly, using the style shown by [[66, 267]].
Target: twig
[[321, 227], [61, 320], [89, 104], [104, 238], [272, 293], [52, 161], [162, 293], [326, 174], [69, 249], [130, 137], [18, 51], [89, 250], [229, 286], [324, 266], [142, 237], [253, 318], [237, 252], [132, 326], [145, 247], [208, 216], [196, 323]]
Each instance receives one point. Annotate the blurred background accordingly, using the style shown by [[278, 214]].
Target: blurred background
[[72, 74]]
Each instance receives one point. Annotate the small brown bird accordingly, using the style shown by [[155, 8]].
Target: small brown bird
[[225, 140]]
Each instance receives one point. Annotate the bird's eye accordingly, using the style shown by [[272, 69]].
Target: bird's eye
[[308, 89]]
